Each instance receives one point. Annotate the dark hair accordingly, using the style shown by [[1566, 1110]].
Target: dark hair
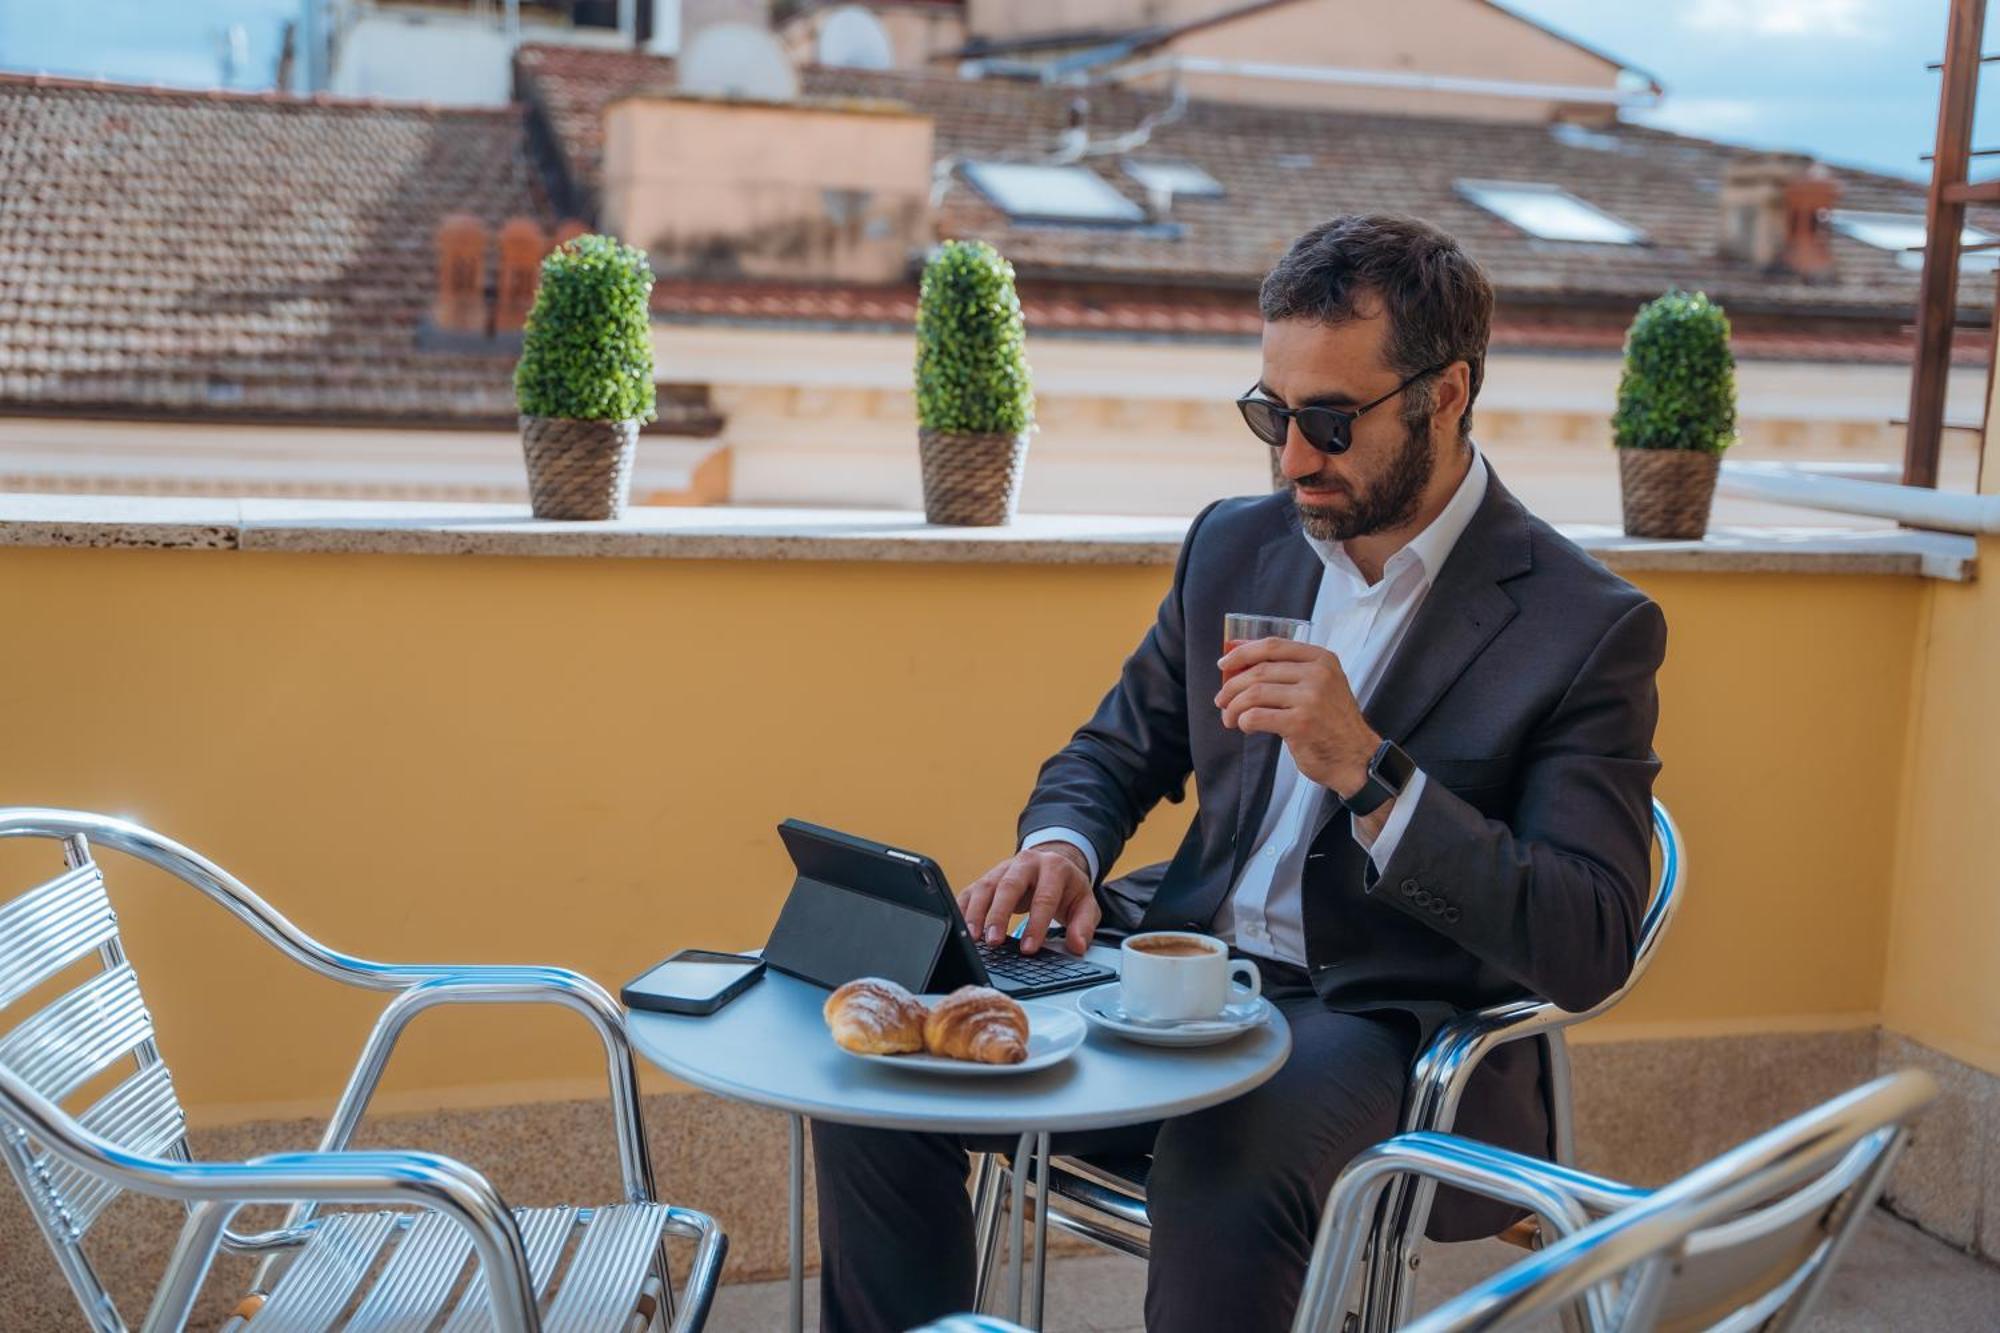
[[1438, 301]]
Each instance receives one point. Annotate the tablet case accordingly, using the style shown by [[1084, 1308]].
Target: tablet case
[[831, 935]]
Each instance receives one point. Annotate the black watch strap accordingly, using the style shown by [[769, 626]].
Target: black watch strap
[[1389, 771]]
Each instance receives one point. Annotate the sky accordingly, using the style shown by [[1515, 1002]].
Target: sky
[[1843, 79]]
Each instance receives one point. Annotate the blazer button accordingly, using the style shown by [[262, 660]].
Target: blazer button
[[1451, 915], [1437, 907], [1421, 899], [1409, 888]]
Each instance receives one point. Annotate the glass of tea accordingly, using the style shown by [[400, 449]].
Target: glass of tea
[[1239, 628]]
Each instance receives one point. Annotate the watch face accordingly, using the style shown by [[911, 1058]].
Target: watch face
[[1393, 766]]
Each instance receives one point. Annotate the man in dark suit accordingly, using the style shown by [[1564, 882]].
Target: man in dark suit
[[1440, 799]]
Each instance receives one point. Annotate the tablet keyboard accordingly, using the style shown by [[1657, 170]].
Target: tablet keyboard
[[1051, 969]]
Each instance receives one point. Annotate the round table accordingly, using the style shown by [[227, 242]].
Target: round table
[[770, 1047]]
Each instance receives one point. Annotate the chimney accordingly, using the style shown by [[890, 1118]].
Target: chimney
[[1809, 201], [522, 245], [460, 306], [1774, 208]]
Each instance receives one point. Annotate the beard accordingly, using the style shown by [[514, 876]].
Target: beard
[[1389, 503]]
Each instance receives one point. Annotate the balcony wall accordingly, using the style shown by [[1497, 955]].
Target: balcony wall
[[581, 761]]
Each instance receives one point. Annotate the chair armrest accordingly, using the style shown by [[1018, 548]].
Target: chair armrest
[[504, 985], [1564, 1197], [1446, 1066], [711, 1247], [218, 1189]]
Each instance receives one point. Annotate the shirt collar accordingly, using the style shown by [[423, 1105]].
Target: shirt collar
[[1428, 550]]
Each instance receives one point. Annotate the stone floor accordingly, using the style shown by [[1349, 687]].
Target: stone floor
[[1895, 1278]]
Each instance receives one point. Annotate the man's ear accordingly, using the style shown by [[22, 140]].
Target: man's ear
[[1452, 397]]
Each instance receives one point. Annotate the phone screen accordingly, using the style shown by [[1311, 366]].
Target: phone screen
[[694, 978]]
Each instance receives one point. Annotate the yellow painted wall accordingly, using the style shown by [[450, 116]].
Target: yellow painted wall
[[1943, 982], [581, 762]]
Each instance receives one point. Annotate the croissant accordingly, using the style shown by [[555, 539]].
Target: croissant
[[978, 1023], [875, 1017]]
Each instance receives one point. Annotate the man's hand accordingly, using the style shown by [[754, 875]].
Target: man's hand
[[1050, 882], [1299, 692]]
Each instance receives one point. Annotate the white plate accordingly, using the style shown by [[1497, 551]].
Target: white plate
[[1054, 1032], [1102, 1007]]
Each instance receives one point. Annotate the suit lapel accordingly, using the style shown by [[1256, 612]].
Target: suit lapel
[[1464, 609]]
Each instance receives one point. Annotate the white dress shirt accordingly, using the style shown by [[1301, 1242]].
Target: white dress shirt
[[1361, 624]]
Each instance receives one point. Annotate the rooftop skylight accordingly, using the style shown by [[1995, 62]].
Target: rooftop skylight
[[1549, 212], [1182, 180], [1037, 193], [1903, 233]]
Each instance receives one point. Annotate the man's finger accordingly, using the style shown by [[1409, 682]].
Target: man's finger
[[1267, 673], [1042, 907], [1005, 894], [977, 891], [1259, 696], [1080, 922], [1268, 650]]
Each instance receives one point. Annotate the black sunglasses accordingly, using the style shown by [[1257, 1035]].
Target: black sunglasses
[[1327, 429]]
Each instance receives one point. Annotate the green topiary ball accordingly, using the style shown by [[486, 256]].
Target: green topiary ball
[[1679, 386], [972, 368], [587, 352]]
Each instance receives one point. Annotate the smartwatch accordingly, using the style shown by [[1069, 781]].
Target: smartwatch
[[1389, 771]]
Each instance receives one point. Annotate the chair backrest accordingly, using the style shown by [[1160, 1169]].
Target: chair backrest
[[72, 1042], [1749, 1239], [1660, 909]]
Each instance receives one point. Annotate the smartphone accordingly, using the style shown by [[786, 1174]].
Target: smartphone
[[693, 981]]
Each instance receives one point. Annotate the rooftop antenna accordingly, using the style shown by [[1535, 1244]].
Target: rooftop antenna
[[737, 60], [853, 38]]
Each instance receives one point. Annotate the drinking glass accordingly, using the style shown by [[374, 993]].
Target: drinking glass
[[1240, 627]]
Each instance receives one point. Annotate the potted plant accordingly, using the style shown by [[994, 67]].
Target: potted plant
[[975, 400], [585, 379], [1676, 414]]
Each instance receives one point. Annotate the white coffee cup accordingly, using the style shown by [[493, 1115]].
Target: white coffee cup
[[1171, 976]]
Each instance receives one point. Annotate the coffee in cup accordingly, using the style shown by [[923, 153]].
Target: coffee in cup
[[1171, 976]]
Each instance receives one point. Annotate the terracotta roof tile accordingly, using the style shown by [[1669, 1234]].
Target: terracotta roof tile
[[165, 251], [1058, 308], [1286, 168]]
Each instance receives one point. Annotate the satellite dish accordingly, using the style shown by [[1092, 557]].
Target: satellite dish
[[853, 38], [737, 60]]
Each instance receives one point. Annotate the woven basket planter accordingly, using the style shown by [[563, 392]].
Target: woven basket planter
[[578, 469], [971, 480], [1667, 492]]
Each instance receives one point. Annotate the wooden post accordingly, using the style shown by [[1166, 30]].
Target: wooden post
[[1944, 219]]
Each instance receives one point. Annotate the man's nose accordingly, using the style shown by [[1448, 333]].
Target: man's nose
[[1298, 458]]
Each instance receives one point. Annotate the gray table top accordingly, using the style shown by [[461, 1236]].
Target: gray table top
[[770, 1047]]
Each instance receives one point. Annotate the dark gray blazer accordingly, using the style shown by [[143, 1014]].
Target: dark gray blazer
[[1524, 688]]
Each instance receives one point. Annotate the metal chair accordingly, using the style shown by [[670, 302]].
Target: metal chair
[[400, 1268], [1747, 1241], [1104, 1201]]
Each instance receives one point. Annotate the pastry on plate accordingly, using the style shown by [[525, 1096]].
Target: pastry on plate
[[870, 1016], [978, 1023]]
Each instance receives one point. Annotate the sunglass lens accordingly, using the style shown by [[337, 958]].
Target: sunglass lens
[[1324, 429], [1264, 421]]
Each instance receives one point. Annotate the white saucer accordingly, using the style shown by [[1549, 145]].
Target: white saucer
[[1101, 1006], [1054, 1033]]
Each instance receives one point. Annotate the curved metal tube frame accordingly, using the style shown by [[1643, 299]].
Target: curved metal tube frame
[[421, 1180], [1564, 1198], [1854, 1138], [421, 986], [1446, 1067]]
